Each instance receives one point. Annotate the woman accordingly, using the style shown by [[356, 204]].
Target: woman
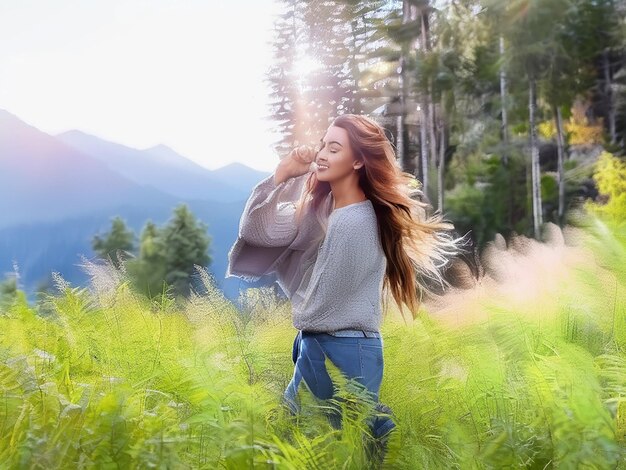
[[340, 232]]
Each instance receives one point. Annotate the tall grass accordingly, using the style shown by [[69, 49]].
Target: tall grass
[[527, 369]]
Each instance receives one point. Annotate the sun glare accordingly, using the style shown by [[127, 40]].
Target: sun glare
[[304, 66]]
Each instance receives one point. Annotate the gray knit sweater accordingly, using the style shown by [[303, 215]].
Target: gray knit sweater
[[330, 264]]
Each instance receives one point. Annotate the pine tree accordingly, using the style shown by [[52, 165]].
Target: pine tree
[[326, 91], [8, 290], [364, 23], [285, 98], [185, 244], [168, 255], [342, 37], [113, 244], [149, 268]]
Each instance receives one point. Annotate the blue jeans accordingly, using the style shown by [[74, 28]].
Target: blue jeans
[[357, 358]]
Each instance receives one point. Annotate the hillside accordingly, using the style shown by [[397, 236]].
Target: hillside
[[43, 179], [161, 168]]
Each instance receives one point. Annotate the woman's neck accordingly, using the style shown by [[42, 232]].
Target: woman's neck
[[346, 192]]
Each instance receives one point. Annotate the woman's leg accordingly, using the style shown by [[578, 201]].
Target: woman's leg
[[310, 369], [357, 358], [290, 394], [362, 359]]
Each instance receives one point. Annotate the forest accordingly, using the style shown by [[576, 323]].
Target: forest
[[499, 108]]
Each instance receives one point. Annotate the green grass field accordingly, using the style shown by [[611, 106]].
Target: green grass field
[[527, 369]]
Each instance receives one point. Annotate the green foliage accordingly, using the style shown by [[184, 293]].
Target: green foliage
[[167, 256], [109, 379], [116, 241], [488, 198], [610, 175], [8, 291], [186, 243], [148, 269]]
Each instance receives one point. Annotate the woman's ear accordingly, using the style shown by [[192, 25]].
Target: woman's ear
[[357, 164]]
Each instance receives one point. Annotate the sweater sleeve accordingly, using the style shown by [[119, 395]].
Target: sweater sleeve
[[268, 219], [266, 229]]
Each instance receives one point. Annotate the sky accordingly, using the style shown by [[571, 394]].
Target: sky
[[189, 74]]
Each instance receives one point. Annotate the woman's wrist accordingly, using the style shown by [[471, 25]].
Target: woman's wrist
[[297, 163], [281, 175]]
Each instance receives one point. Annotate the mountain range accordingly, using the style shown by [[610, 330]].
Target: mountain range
[[57, 192], [162, 168]]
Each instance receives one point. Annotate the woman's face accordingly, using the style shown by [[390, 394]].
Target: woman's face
[[335, 160]]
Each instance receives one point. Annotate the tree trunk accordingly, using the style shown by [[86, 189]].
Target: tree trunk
[[432, 118], [608, 94], [424, 145], [534, 154], [432, 128], [560, 144], [441, 160], [505, 130], [503, 100], [401, 151], [354, 69], [425, 124], [424, 26], [401, 154]]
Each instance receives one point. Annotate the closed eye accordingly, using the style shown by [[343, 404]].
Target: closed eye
[[334, 149]]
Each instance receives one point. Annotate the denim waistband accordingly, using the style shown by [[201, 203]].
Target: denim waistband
[[355, 334]]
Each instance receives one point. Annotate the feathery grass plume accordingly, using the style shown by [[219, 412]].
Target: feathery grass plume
[[104, 278]]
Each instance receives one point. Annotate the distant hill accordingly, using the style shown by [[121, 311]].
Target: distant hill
[[165, 156], [42, 178], [240, 176], [164, 169]]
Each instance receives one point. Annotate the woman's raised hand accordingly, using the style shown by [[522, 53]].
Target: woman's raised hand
[[297, 163]]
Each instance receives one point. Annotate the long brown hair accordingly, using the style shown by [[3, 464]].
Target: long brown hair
[[416, 246]]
